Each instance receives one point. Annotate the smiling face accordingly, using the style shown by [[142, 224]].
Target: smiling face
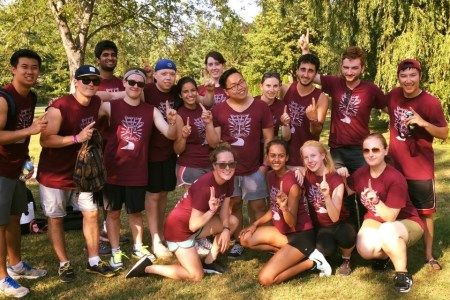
[[107, 60], [236, 87], [189, 94], [409, 80], [313, 159], [26, 72], [214, 68], [133, 91], [306, 73], [351, 69], [223, 168], [277, 157], [374, 151], [270, 88]]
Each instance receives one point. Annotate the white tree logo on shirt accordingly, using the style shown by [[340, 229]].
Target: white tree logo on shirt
[[317, 200], [219, 98], [198, 122], [273, 204], [368, 204], [162, 108], [24, 120], [131, 131], [400, 115], [86, 121], [297, 114], [239, 128], [348, 106]]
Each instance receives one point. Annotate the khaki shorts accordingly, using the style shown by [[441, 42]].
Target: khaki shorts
[[415, 231]]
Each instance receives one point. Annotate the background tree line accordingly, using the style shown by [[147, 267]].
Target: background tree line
[[65, 32]]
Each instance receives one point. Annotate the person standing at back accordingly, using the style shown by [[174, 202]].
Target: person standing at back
[[106, 53]]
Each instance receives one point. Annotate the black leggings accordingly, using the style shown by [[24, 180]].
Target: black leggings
[[303, 241], [341, 235]]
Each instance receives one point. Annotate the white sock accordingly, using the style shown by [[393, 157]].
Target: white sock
[[138, 246], [114, 250], [93, 261], [62, 263], [18, 266]]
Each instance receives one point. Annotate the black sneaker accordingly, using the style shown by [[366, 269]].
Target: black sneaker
[[403, 282], [380, 264], [66, 273], [102, 268], [213, 268], [138, 270]]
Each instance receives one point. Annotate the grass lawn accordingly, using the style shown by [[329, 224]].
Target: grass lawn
[[241, 280]]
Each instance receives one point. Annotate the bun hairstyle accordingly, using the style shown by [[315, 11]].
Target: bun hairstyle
[[329, 163], [221, 147]]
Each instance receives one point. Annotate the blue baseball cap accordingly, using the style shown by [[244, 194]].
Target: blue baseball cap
[[165, 63], [86, 70]]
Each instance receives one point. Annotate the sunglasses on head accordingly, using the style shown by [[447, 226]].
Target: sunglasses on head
[[88, 80], [224, 165], [140, 84], [374, 150]]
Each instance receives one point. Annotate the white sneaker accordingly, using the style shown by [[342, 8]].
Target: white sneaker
[[321, 263], [143, 251], [11, 288], [27, 272]]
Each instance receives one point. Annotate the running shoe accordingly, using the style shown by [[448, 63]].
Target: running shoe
[[11, 288], [138, 270], [403, 282], [27, 272]]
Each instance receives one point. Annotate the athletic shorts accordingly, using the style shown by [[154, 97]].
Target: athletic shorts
[[250, 187], [422, 195], [161, 175], [187, 175], [54, 201], [415, 231], [189, 243], [340, 235], [13, 198], [303, 241], [350, 157], [114, 196]]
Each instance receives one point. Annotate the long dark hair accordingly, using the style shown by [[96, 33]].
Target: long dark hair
[[179, 87]]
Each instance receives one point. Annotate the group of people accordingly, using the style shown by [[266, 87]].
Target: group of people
[[225, 147]]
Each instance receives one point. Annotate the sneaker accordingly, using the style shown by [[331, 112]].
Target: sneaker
[[11, 288], [143, 251], [236, 250], [116, 260], [203, 246], [403, 282], [345, 268], [213, 268], [380, 264], [104, 248], [102, 268], [321, 263], [138, 270], [27, 272], [66, 273]]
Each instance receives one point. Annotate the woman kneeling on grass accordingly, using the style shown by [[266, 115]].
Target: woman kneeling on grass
[[391, 223], [203, 211], [324, 190], [291, 236]]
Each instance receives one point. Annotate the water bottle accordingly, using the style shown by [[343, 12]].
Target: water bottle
[[409, 114], [28, 167]]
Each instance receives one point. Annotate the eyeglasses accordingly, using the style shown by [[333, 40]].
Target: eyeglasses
[[224, 165], [88, 80], [374, 150], [241, 83], [140, 84]]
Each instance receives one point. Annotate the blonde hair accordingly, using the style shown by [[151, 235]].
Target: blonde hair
[[328, 161]]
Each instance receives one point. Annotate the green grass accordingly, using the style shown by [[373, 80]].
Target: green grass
[[241, 280]]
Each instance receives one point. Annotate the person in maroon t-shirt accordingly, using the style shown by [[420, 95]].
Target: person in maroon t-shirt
[[416, 118], [204, 210], [70, 122], [391, 223], [243, 122], [14, 141], [307, 107], [214, 66], [291, 235], [126, 156], [106, 53], [324, 190]]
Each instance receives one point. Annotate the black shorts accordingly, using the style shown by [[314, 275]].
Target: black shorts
[[303, 241], [162, 176], [422, 195], [350, 157], [328, 239], [114, 196]]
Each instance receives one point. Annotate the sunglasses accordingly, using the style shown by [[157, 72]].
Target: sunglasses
[[140, 84], [374, 150], [87, 80], [224, 165]]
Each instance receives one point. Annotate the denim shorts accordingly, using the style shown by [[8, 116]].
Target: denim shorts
[[250, 187]]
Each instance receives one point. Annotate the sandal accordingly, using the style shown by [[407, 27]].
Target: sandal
[[434, 264]]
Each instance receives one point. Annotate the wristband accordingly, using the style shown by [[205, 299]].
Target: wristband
[[226, 227], [74, 139]]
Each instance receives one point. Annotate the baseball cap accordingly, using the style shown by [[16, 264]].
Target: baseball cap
[[87, 70], [408, 64], [165, 63]]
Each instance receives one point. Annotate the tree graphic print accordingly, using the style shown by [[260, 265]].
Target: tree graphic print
[[198, 122], [297, 114], [400, 115], [349, 107], [239, 128], [273, 204], [317, 200], [131, 131]]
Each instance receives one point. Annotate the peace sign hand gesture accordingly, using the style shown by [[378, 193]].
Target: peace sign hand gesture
[[186, 130], [171, 114], [214, 203], [282, 198]]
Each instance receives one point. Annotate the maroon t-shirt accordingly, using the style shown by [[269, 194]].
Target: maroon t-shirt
[[114, 84], [176, 228], [56, 165], [219, 94], [196, 152], [350, 109], [316, 201], [126, 150], [390, 187], [13, 156], [300, 125], [161, 148], [277, 109], [243, 131], [412, 150], [303, 219]]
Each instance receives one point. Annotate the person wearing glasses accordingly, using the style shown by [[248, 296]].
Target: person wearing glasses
[[416, 118], [214, 66], [204, 210], [243, 122], [391, 223], [71, 119], [126, 154], [291, 235]]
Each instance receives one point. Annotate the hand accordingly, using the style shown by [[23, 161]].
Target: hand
[[248, 230], [303, 42], [281, 198], [311, 111], [206, 115], [324, 186], [300, 174], [38, 125], [285, 119], [149, 71], [171, 114], [210, 85], [224, 240], [370, 195], [343, 172], [186, 130], [214, 203], [86, 133], [415, 119]]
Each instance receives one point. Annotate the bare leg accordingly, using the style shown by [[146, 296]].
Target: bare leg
[[394, 237], [257, 209], [56, 236], [137, 227], [265, 238], [152, 209], [91, 232], [113, 227], [236, 210], [162, 204], [428, 235], [369, 241], [13, 239]]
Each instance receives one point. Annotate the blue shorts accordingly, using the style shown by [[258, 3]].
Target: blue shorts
[[250, 187], [187, 175]]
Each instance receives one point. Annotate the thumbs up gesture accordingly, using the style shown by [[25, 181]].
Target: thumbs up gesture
[[311, 111], [324, 186], [186, 130], [214, 203], [284, 118], [370, 195], [282, 198]]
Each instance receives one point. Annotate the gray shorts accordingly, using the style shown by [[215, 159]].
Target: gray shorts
[[13, 198], [187, 175], [54, 201], [250, 187]]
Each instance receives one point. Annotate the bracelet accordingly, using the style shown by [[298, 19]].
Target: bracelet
[[226, 227], [74, 139]]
